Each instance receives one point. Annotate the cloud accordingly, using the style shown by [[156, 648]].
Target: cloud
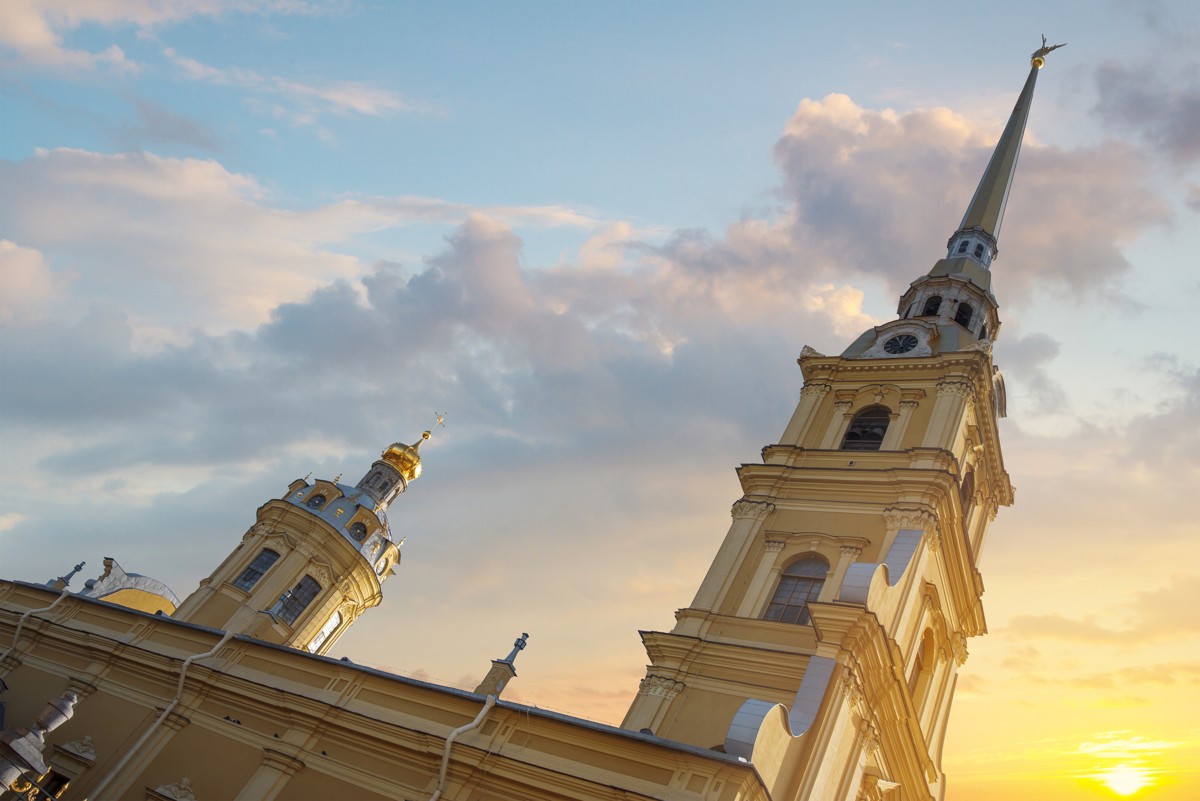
[[303, 100], [864, 183], [35, 29], [1164, 112], [29, 284], [1160, 614], [183, 243]]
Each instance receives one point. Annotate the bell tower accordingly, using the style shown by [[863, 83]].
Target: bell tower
[[314, 560], [824, 642]]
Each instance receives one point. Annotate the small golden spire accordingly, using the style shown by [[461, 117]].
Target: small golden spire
[[406, 458]]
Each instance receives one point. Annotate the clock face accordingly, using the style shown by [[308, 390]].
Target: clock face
[[901, 343]]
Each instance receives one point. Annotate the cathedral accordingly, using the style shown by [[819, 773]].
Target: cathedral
[[817, 661]]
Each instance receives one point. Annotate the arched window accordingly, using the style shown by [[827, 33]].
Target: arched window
[[979, 251], [297, 599], [962, 246], [330, 626], [922, 670], [800, 582], [966, 493], [255, 570], [963, 315], [358, 531], [931, 306], [866, 430], [315, 502], [983, 331]]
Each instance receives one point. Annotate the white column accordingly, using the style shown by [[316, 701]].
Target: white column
[[837, 426], [895, 433], [848, 556], [952, 397], [805, 414], [765, 576], [747, 518]]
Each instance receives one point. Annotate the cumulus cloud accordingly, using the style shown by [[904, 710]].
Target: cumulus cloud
[[876, 192], [29, 284], [184, 243]]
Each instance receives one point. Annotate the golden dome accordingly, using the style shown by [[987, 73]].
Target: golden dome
[[405, 458]]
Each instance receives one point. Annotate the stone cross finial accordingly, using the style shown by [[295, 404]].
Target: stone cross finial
[[518, 647]]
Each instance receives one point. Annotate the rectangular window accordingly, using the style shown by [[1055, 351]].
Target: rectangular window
[[255, 570], [330, 626], [297, 600]]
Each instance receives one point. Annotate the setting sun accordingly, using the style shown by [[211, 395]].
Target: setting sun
[[1125, 779]]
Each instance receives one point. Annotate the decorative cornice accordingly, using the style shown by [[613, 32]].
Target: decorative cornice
[[960, 388], [660, 686], [756, 510], [918, 519]]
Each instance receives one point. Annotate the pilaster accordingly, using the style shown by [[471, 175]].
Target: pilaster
[[270, 777]]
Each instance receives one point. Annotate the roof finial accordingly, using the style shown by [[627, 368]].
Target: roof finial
[[518, 647], [977, 236], [1038, 58]]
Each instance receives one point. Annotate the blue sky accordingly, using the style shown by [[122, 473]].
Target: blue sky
[[245, 241]]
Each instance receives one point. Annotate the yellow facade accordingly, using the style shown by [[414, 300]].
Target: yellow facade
[[816, 662]]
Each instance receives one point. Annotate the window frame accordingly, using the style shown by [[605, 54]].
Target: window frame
[[245, 581], [795, 585]]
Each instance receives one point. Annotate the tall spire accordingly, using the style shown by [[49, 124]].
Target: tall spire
[[979, 231]]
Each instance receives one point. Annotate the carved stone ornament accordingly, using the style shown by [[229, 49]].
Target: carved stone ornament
[[958, 644], [934, 539], [82, 747], [918, 519], [660, 686], [983, 346], [852, 687], [756, 510], [774, 546], [909, 404], [868, 736], [808, 352], [842, 407], [814, 390], [850, 551], [180, 790], [960, 388]]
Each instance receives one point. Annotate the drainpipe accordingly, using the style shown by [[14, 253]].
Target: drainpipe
[[97, 792], [21, 623], [488, 703]]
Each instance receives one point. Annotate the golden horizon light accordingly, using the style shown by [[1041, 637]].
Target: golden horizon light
[[1125, 779]]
